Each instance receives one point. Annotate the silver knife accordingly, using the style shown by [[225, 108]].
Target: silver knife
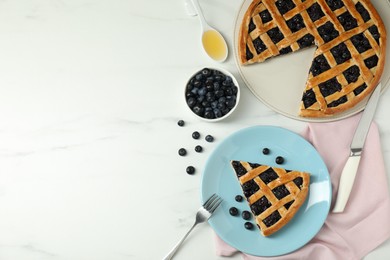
[[349, 172]]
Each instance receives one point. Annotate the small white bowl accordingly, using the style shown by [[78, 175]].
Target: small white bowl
[[190, 87]]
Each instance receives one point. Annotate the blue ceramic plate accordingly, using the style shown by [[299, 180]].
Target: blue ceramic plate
[[247, 145]]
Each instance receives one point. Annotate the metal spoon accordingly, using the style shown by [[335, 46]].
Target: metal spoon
[[213, 42]]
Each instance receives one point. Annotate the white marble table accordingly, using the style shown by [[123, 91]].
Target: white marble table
[[91, 91]]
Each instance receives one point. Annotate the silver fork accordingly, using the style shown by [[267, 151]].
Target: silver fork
[[203, 214]]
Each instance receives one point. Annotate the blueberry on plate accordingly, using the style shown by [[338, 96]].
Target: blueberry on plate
[[248, 225], [238, 198], [266, 151], [279, 160], [246, 215], [233, 211]]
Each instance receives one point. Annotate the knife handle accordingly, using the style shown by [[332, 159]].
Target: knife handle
[[346, 182]]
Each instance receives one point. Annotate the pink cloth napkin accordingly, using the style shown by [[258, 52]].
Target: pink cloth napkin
[[365, 223]]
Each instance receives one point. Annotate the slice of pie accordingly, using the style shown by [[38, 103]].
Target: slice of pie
[[273, 194], [350, 39]]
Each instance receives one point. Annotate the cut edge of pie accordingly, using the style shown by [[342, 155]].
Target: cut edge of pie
[[275, 37], [274, 194]]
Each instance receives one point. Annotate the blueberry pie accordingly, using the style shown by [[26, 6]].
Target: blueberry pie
[[273, 194], [350, 39]]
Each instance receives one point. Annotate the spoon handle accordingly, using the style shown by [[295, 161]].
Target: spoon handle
[[200, 14]]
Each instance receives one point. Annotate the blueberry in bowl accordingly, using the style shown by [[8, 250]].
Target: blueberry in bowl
[[212, 94]]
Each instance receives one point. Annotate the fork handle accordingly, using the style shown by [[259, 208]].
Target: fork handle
[[173, 251]]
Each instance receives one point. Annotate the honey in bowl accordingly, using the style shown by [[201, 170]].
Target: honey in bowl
[[214, 45]]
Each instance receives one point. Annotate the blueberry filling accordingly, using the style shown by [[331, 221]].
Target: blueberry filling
[[347, 21], [285, 50], [298, 181], [254, 165], [352, 74], [259, 45], [319, 65], [250, 188], [328, 32], [309, 98], [265, 16], [329, 87], [335, 4], [284, 6], [296, 23], [248, 54], [315, 12], [363, 12], [338, 102], [306, 41], [272, 219], [268, 175], [238, 168], [251, 26], [361, 43], [374, 32], [275, 34], [260, 205], [360, 89], [341, 53], [280, 192], [288, 204], [371, 62]]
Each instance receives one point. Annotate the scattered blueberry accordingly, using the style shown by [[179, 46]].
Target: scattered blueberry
[[209, 138], [246, 215], [198, 148], [195, 135], [190, 170], [248, 225], [182, 151], [265, 151], [279, 160], [180, 123], [233, 211], [238, 198]]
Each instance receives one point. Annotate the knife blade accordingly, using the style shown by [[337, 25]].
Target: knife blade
[[348, 174]]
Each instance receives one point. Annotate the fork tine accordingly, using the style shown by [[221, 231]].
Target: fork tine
[[215, 206], [210, 200], [211, 205]]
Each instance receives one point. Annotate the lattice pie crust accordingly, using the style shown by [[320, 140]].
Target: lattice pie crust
[[350, 39], [274, 194]]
